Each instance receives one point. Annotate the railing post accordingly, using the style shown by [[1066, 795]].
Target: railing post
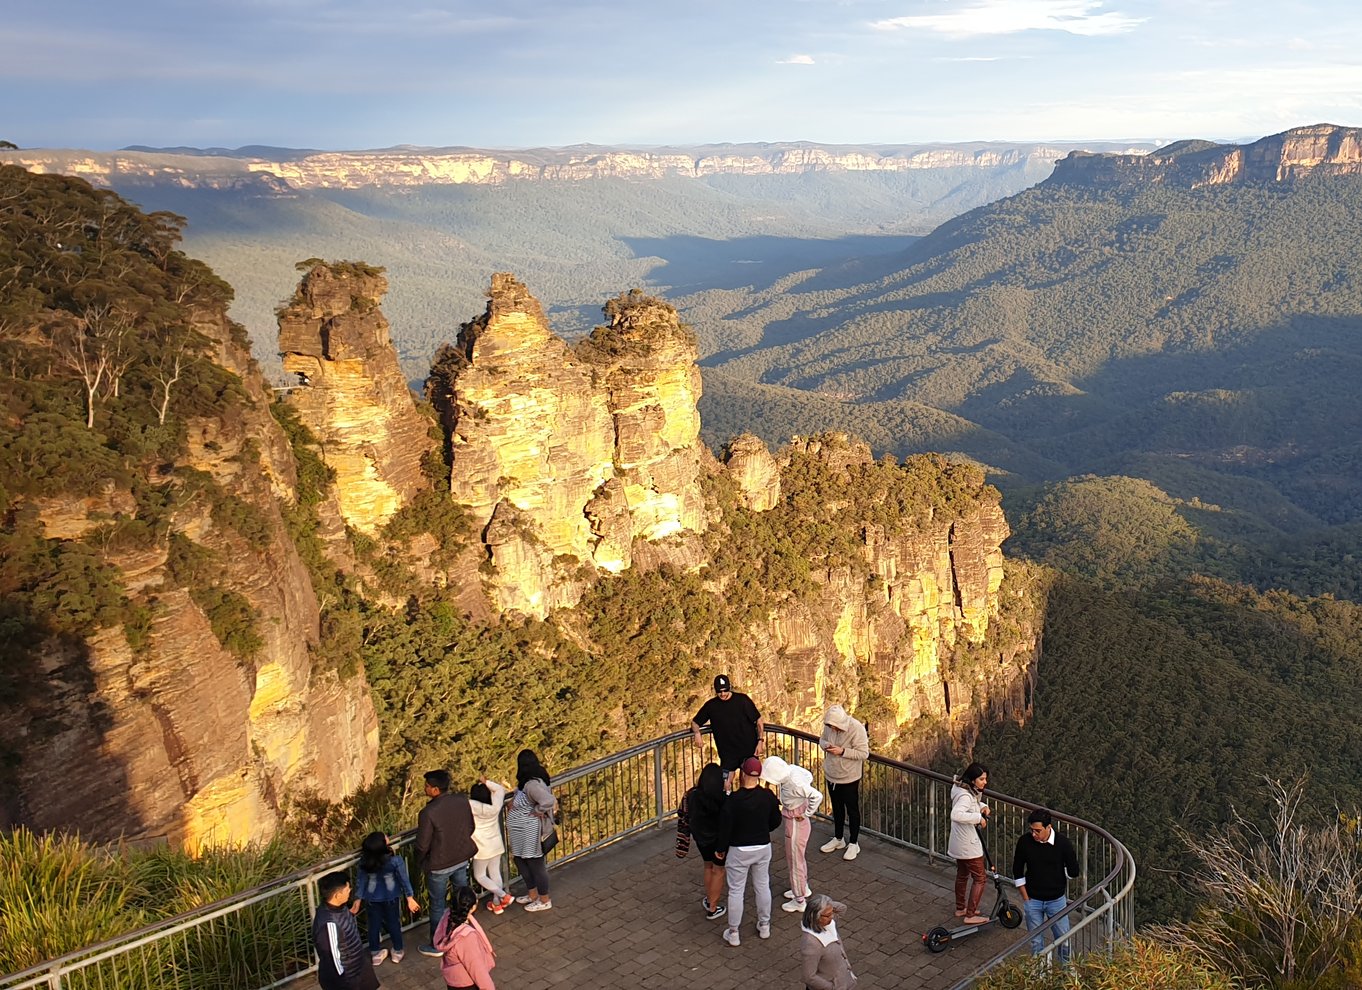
[[657, 780], [1085, 861], [931, 822]]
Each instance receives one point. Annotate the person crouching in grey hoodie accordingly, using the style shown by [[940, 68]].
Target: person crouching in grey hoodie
[[845, 747]]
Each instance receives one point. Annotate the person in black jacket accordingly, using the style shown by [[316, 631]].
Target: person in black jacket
[[444, 845], [701, 808], [749, 816], [343, 963], [1043, 865]]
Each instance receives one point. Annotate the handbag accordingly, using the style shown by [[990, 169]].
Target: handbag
[[549, 841]]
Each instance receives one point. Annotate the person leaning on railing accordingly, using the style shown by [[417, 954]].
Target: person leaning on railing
[[342, 961], [1043, 864]]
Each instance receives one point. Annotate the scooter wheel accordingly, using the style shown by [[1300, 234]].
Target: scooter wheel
[[1010, 916], [937, 939]]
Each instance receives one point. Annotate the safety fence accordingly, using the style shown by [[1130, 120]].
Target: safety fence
[[260, 938]]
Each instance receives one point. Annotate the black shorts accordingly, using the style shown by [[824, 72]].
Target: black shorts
[[707, 854]]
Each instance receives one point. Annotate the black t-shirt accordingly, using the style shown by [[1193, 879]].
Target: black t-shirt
[[735, 727]]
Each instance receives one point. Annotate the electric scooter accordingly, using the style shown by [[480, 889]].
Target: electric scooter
[[1004, 911]]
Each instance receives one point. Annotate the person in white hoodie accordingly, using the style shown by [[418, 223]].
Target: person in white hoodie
[[485, 798], [969, 814], [845, 747], [799, 799]]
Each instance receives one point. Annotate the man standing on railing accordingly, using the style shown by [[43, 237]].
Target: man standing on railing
[[1043, 865], [749, 816], [737, 725], [845, 747], [444, 845]]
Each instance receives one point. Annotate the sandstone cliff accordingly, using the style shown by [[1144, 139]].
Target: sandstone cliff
[[184, 738], [351, 394], [916, 635], [1321, 149], [459, 166], [564, 459]]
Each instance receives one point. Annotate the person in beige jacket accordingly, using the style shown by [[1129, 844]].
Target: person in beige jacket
[[820, 947], [845, 749]]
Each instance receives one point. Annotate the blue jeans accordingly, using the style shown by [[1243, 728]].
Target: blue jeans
[[437, 882], [381, 915], [1037, 913]]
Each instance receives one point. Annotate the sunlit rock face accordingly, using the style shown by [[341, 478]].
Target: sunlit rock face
[[565, 457], [1320, 149], [754, 470], [351, 393], [907, 636], [183, 740]]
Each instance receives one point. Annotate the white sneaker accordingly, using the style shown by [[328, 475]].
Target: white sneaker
[[832, 845], [763, 931], [539, 906], [853, 851], [794, 905], [397, 956], [731, 936], [790, 895], [379, 956]]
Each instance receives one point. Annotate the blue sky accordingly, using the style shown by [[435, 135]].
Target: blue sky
[[523, 73]]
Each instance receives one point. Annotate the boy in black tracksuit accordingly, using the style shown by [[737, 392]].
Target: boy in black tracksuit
[[343, 962]]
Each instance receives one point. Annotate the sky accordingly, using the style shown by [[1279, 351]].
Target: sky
[[506, 74]]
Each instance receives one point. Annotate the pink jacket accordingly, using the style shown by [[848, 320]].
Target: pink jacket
[[468, 956]]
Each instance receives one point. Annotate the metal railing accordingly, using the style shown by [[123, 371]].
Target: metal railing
[[261, 938]]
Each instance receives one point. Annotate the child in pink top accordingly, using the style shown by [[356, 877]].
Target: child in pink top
[[467, 954]]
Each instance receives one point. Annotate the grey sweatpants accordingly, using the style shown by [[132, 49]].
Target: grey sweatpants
[[740, 861]]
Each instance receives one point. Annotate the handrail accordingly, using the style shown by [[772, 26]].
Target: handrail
[[601, 802]]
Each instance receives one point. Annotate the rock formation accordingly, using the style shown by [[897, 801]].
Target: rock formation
[[351, 394], [564, 458], [754, 470], [1320, 149]]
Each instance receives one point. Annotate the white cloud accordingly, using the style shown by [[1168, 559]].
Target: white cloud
[[991, 17], [796, 60]]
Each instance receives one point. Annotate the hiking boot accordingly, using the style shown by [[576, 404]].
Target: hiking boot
[[832, 845]]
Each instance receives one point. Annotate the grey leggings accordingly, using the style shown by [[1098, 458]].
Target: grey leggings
[[535, 873]]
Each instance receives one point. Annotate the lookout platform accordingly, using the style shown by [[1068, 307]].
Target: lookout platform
[[629, 917]]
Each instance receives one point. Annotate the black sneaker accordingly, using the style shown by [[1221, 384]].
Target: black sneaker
[[717, 912]]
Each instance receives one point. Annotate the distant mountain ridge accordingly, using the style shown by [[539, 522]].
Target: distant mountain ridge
[[1316, 149], [406, 166]]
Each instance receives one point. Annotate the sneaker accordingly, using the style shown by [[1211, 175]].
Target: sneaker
[[494, 905], [718, 911], [790, 895], [523, 899], [396, 957], [429, 950], [539, 906], [853, 851], [793, 905], [763, 931], [832, 845], [379, 956], [507, 900], [731, 937]]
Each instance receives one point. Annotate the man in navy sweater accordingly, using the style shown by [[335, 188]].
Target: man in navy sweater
[[1043, 865]]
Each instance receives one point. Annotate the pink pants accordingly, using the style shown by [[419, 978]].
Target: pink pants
[[796, 842]]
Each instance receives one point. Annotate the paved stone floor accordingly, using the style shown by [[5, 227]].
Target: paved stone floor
[[630, 917]]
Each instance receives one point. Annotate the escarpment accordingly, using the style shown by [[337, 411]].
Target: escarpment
[[1319, 149]]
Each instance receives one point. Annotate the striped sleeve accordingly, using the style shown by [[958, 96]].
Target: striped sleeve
[[333, 943]]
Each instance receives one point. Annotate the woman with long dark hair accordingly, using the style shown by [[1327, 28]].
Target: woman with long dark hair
[[701, 806], [466, 956], [969, 814], [530, 822]]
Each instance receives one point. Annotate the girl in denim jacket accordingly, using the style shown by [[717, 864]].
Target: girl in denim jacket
[[382, 882]]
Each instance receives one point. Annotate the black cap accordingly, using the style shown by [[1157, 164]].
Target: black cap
[[721, 684]]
